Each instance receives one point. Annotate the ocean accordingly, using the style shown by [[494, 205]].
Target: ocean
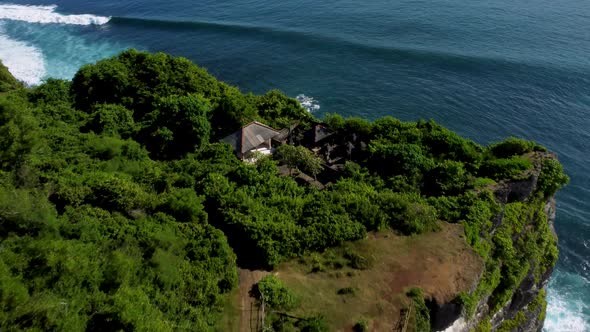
[[484, 68]]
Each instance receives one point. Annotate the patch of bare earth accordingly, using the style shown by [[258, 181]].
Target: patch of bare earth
[[249, 314], [440, 263]]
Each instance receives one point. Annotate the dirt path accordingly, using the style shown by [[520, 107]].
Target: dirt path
[[248, 309]]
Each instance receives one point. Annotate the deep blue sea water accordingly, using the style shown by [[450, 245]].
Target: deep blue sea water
[[485, 68]]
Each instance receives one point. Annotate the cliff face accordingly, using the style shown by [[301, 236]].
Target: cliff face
[[525, 310]]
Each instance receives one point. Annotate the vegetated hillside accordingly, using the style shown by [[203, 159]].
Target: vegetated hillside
[[7, 81], [119, 211]]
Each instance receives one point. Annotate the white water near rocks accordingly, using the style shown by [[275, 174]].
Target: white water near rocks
[[566, 310]]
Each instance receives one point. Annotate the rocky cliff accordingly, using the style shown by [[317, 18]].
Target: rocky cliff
[[524, 309]]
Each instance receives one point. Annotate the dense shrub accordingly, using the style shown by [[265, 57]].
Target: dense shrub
[[112, 120], [513, 146], [399, 159], [506, 168], [361, 326], [443, 143], [274, 294], [52, 92], [19, 132], [279, 110], [136, 79], [313, 324], [552, 177]]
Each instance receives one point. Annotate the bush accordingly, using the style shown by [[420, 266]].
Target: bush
[[483, 182], [357, 261], [274, 294], [513, 146], [388, 159], [347, 291], [313, 324], [361, 326], [111, 120], [184, 205], [507, 168], [446, 178], [552, 177], [52, 91], [445, 144], [419, 218], [279, 111], [299, 158], [136, 79]]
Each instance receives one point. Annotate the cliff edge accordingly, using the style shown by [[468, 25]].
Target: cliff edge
[[522, 261], [7, 81]]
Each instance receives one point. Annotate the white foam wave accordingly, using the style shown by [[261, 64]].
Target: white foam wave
[[309, 103], [564, 317], [47, 14], [567, 310], [24, 61]]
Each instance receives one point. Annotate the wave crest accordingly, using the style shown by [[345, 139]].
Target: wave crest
[[47, 14], [25, 62]]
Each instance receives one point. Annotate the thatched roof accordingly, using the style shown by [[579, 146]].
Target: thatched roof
[[250, 136], [321, 132]]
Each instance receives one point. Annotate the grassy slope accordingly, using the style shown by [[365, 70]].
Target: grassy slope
[[441, 263]]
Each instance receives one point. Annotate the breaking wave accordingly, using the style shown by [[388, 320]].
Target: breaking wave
[[47, 14], [309, 103], [24, 61], [567, 310]]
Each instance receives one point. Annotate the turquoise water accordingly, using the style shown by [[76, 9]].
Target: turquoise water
[[487, 69]]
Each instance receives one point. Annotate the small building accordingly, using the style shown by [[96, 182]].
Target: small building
[[316, 136], [254, 137]]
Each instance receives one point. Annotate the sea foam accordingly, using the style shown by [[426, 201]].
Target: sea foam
[[309, 103], [24, 61], [567, 310], [47, 14]]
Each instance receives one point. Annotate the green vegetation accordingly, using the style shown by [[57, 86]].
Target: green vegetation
[[485, 325], [552, 178], [362, 326], [540, 302], [7, 81], [420, 312], [119, 211], [513, 324], [508, 168], [513, 253], [299, 158], [513, 146], [271, 291]]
